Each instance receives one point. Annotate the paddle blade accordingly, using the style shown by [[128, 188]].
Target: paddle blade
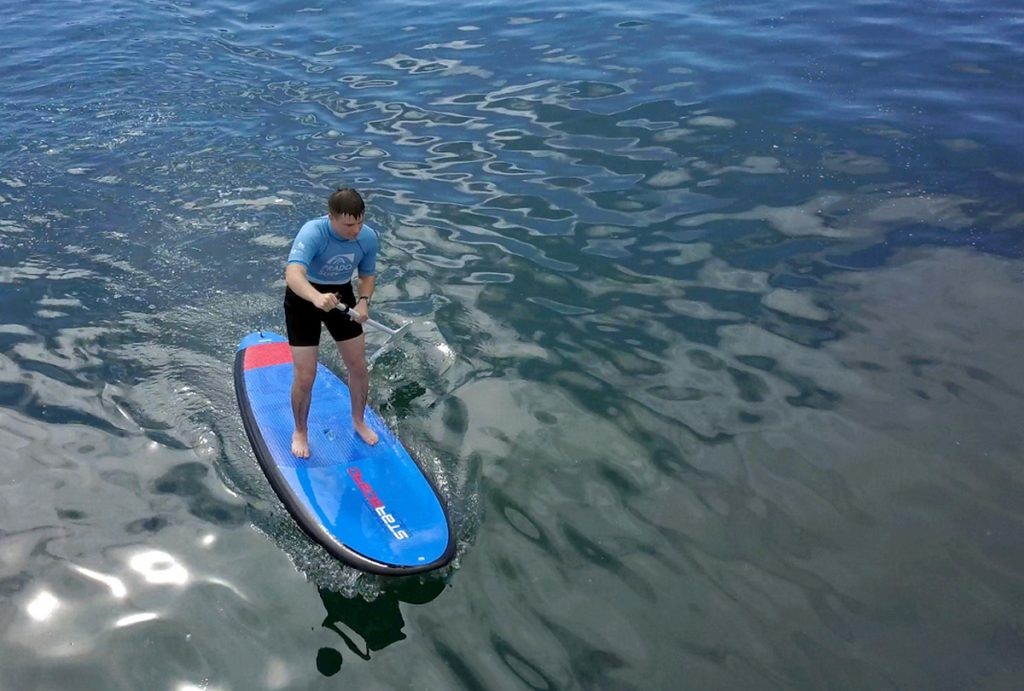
[[389, 343]]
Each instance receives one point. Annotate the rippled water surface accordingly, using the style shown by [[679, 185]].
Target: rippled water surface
[[733, 293]]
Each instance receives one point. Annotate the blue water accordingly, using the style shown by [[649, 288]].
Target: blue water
[[715, 350]]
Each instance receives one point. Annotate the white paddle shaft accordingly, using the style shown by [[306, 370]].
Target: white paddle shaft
[[369, 322]]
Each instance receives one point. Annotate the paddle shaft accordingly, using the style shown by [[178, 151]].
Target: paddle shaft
[[369, 322], [394, 335]]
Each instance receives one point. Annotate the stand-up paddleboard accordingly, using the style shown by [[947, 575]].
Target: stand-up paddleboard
[[370, 506]]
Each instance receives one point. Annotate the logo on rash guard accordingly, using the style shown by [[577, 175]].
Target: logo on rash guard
[[389, 521], [338, 267]]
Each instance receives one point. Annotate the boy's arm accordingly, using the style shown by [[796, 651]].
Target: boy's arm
[[295, 277], [366, 285]]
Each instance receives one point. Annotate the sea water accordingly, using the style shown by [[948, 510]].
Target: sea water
[[732, 298]]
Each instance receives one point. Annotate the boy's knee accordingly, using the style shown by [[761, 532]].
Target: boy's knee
[[304, 378]]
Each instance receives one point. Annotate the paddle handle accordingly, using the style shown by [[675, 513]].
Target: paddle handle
[[369, 322]]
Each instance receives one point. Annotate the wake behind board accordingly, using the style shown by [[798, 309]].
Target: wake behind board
[[372, 507]]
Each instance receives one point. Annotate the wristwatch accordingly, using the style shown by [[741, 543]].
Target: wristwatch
[[364, 297]]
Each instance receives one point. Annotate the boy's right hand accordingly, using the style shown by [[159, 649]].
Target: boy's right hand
[[326, 301]]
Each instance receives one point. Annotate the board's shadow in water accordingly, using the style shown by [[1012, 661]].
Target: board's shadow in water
[[378, 623]]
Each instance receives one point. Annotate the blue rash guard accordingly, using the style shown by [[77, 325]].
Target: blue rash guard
[[330, 259]]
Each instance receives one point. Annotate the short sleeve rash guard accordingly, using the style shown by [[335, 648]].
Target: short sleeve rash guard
[[331, 259]]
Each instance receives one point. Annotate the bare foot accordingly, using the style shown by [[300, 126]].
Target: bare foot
[[300, 445], [365, 433]]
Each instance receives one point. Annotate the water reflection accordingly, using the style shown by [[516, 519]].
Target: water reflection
[[159, 568], [132, 619], [42, 606], [116, 585], [188, 482]]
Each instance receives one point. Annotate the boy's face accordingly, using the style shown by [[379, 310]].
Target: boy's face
[[346, 226]]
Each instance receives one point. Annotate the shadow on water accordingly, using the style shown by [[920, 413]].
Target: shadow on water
[[377, 623]]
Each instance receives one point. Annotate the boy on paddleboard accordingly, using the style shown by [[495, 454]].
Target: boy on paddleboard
[[324, 255]]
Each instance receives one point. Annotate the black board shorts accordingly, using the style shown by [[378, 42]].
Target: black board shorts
[[303, 319]]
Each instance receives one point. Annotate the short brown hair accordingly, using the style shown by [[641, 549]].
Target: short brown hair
[[346, 201]]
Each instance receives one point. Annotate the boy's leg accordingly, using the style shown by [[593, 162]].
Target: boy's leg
[[353, 354], [303, 375]]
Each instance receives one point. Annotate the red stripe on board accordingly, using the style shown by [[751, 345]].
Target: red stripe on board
[[267, 354]]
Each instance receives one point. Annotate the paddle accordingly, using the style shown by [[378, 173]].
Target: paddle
[[375, 324], [393, 334], [447, 356]]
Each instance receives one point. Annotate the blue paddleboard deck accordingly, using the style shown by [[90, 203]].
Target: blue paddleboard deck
[[372, 507]]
